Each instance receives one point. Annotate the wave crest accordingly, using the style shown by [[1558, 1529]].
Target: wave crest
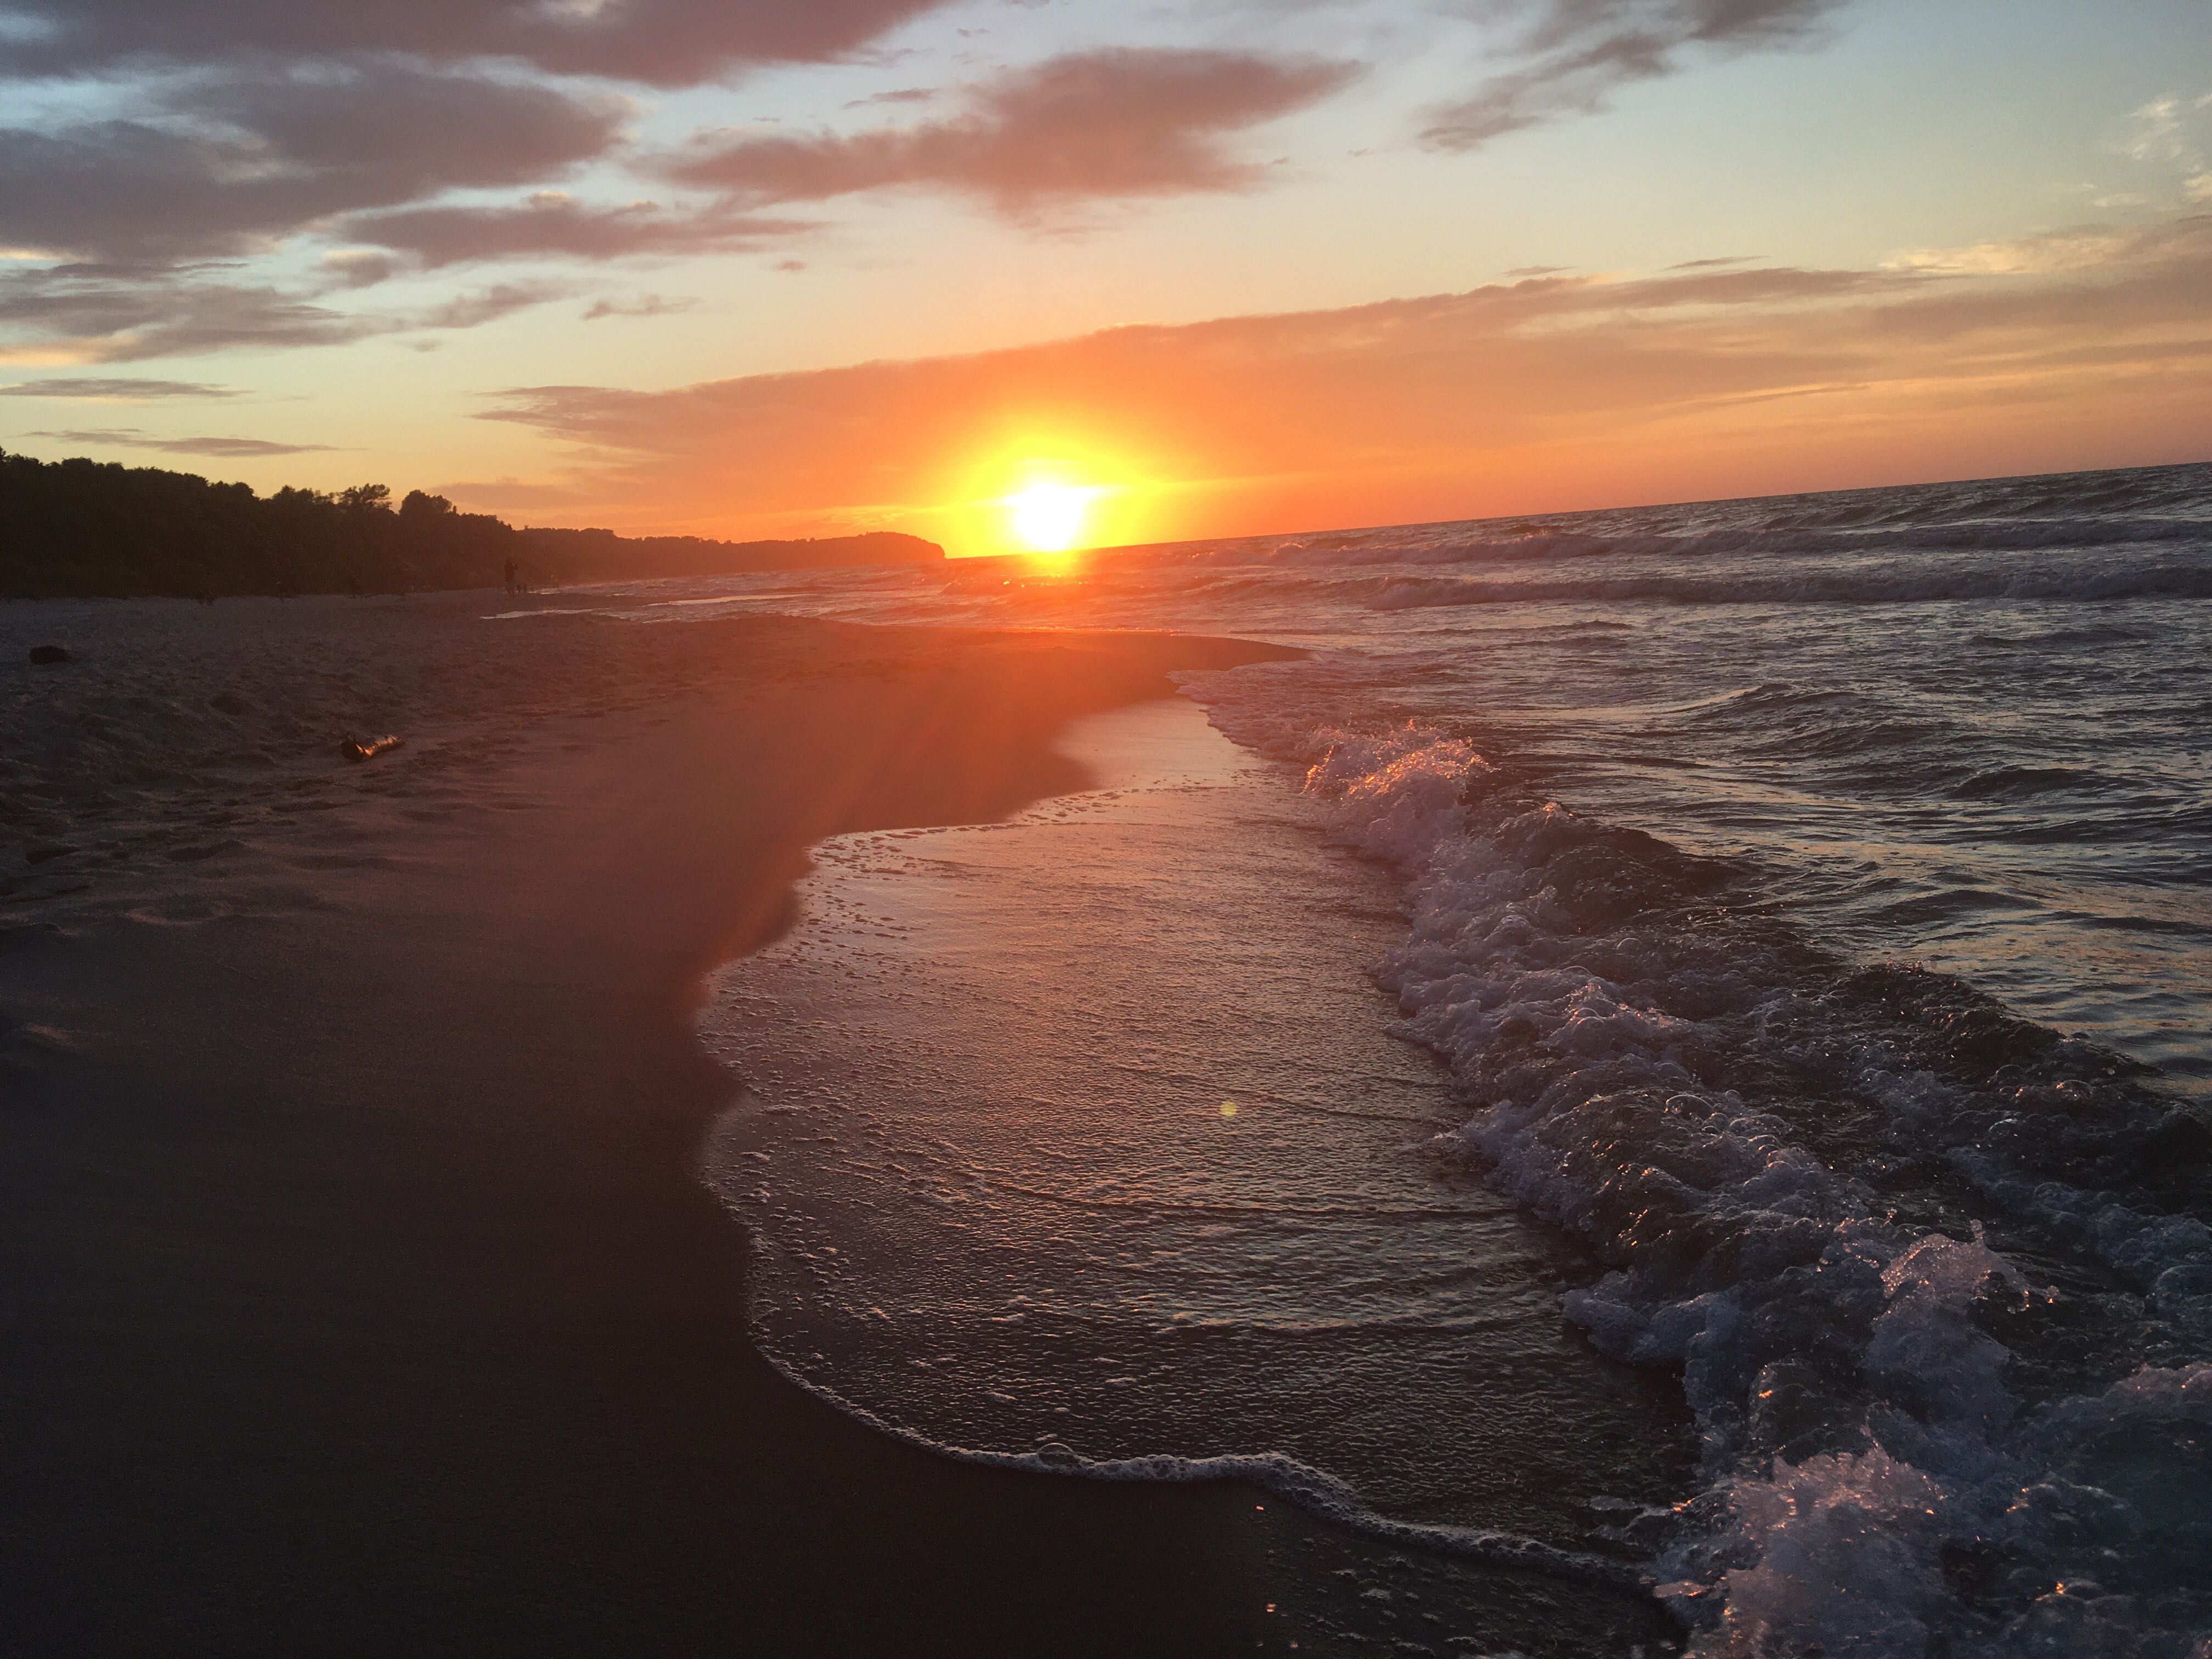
[[1813, 1188]]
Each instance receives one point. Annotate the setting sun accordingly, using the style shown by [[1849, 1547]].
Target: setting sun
[[1048, 518]]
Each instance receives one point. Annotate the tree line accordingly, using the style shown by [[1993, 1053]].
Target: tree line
[[80, 528]]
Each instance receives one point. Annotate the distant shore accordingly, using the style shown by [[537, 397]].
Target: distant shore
[[82, 528]]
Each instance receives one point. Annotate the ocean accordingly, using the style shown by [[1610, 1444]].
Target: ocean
[[1671, 1047]]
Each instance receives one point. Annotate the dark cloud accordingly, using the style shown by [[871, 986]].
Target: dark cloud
[[1123, 123], [228, 449], [1575, 53], [1101, 123], [662, 42], [552, 222], [646, 304], [99, 316], [115, 391], [902, 95], [360, 267], [230, 163]]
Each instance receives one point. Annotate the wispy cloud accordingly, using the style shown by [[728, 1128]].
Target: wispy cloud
[[661, 42], [1123, 123], [552, 224], [114, 391], [2160, 130], [489, 305], [2080, 248], [644, 305], [95, 314], [226, 449], [2169, 132], [1574, 54]]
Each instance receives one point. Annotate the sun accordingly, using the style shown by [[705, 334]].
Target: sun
[[1048, 518]]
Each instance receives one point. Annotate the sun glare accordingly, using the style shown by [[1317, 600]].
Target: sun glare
[[1049, 518]]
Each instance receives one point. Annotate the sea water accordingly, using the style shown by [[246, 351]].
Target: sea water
[[1083, 1136], [1759, 949]]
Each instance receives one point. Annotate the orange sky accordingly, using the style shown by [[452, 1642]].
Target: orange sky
[[738, 268], [1545, 393]]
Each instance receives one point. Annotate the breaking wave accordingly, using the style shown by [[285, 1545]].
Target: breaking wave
[[1903, 583], [1515, 544], [1938, 1281]]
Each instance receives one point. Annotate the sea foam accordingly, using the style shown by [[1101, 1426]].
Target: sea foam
[[1821, 1193]]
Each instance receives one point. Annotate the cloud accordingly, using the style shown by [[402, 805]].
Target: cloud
[[222, 129], [1549, 390], [645, 305], [115, 392], [227, 449], [2082, 247], [901, 96], [1119, 122], [489, 305], [660, 42], [229, 163], [2159, 131], [360, 267], [2167, 132], [554, 223], [1577, 53], [95, 314]]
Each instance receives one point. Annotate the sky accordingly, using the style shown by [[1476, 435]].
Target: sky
[[746, 267]]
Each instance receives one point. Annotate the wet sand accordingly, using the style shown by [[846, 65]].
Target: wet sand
[[362, 1293]]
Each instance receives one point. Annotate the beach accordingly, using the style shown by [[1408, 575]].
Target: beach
[[364, 1295], [1018, 831], [1608, 1057]]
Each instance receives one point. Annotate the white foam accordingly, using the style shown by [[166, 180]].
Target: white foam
[[1579, 1010], [999, 1193]]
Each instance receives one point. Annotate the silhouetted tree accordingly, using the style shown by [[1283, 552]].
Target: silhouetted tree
[[366, 498], [93, 528], [418, 507]]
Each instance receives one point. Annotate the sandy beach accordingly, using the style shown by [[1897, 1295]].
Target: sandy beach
[[363, 1295]]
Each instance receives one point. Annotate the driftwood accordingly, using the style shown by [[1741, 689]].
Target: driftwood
[[354, 748]]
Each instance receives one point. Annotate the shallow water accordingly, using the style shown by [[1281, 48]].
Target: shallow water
[[1801, 910], [1085, 1133]]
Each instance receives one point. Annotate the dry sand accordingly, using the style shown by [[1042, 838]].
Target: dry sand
[[360, 1295]]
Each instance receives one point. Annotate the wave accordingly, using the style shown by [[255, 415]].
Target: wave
[[1892, 584], [1552, 545], [2165, 491], [2026, 782], [1312, 1490], [2149, 507], [1831, 1197], [1736, 585]]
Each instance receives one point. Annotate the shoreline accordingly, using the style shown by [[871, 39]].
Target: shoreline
[[366, 1295]]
